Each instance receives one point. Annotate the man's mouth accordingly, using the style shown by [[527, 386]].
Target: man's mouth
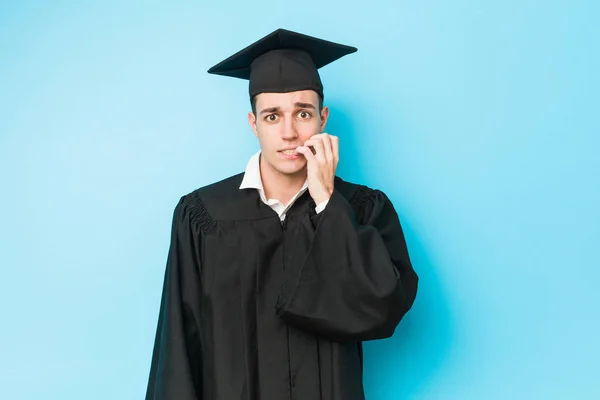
[[289, 152]]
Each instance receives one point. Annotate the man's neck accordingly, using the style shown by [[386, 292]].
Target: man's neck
[[281, 186]]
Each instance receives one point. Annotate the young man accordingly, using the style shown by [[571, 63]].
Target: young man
[[276, 275]]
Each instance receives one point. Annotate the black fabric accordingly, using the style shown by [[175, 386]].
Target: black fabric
[[258, 310], [283, 61]]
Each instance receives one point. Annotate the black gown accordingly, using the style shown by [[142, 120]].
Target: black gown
[[256, 309]]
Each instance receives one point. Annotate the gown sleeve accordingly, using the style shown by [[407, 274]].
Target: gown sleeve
[[176, 366], [355, 282]]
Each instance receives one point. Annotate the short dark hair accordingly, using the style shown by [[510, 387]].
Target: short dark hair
[[253, 103]]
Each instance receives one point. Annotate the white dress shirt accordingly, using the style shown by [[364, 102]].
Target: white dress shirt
[[252, 180]]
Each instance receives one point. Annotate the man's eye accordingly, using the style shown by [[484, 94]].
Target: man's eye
[[304, 114], [271, 118]]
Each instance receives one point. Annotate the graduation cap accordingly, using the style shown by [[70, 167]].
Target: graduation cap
[[281, 62]]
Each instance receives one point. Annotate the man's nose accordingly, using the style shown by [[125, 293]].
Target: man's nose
[[289, 129]]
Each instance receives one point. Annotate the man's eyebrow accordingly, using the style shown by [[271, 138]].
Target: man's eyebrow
[[270, 110], [305, 105]]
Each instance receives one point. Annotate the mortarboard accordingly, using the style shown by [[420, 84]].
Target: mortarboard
[[283, 61]]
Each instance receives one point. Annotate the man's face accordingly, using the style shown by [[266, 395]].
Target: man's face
[[284, 121]]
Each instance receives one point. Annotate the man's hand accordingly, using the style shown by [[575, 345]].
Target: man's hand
[[321, 165]]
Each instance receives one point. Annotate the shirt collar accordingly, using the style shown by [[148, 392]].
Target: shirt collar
[[252, 178]]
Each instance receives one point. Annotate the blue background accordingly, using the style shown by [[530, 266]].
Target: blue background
[[480, 119]]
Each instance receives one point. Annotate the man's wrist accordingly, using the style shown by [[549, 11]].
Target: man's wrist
[[321, 206]]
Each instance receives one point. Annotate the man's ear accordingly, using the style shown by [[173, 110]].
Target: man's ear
[[252, 123], [324, 117]]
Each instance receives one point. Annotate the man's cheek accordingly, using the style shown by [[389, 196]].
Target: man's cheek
[[309, 130]]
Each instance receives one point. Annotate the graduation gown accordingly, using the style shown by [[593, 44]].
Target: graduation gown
[[258, 309]]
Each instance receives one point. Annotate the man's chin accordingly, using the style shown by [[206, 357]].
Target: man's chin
[[292, 170]]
